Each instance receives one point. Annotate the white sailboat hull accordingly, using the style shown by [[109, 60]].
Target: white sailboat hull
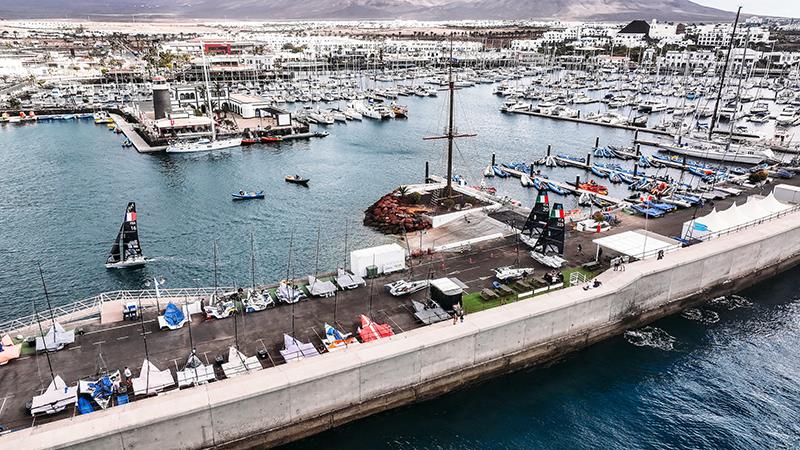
[[717, 155], [192, 147], [128, 263]]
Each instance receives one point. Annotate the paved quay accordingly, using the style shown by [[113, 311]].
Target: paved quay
[[138, 143]]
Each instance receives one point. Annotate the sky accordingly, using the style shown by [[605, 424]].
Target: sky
[[785, 8]]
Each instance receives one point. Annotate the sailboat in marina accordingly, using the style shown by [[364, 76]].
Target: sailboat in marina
[[126, 251], [205, 145]]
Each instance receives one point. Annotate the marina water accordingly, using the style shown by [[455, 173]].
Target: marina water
[[720, 377]]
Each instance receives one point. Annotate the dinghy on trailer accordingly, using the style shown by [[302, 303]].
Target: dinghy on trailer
[[195, 372], [55, 339], [98, 393], [239, 364], [320, 288], [175, 318], [295, 350], [152, 380], [257, 301], [403, 287], [429, 312], [371, 331], [56, 398], [8, 350], [347, 280], [335, 340], [126, 251]]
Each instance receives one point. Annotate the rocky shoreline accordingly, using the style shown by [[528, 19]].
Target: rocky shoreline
[[395, 213]]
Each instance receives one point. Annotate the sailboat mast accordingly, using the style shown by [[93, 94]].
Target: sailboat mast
[[252, 262], [209, 104], [722, 77], [451, 87], [39, 321], [215, 267]]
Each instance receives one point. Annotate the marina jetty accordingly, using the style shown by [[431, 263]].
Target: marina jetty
[[285, 402]]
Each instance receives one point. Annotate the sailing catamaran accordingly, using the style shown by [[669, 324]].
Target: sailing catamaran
[[126, 251]]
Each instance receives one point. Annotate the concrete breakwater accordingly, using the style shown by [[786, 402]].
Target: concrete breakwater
[[287, 402]]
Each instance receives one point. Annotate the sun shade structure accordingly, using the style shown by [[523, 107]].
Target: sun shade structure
[[152, 380], [55, 339], [640, 244], [295, 350]]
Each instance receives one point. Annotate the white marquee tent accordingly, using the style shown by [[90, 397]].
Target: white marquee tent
[[755, 209]]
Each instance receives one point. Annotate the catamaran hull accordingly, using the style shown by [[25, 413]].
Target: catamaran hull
[[127, 264]]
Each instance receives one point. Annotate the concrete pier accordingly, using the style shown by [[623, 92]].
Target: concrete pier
[[138, 143], [287, 402]]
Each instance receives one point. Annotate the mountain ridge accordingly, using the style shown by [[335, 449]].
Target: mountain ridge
[[610, 10]]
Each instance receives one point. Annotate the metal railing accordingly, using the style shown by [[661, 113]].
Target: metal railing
[[91, 306]]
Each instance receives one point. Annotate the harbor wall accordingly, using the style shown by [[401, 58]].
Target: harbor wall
[[290, 401]]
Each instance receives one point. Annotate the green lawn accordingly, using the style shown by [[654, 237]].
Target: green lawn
[[473, 302]]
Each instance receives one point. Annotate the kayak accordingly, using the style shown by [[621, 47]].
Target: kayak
[[248, 141], [242, 195], [296, 179]]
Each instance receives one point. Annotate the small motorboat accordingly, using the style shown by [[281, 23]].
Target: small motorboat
[[249, 141], [297, 179], [244, 195], [271, 139]]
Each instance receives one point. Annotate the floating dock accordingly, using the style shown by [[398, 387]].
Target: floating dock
[[592, 122], [138, 143]]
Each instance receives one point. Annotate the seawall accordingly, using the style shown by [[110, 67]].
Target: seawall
[[287, 402]]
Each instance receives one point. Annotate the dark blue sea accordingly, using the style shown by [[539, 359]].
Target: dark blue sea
[[725, 376]]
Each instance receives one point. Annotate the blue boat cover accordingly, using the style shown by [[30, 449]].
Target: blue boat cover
[[103, 388], [84, 405], [173, 315]]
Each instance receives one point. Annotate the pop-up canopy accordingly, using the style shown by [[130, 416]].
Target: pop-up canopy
[[639, 244]]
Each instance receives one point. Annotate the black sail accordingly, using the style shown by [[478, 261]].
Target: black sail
[[126, 245]]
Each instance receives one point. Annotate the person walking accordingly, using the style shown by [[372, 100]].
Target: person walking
[[580, 249]]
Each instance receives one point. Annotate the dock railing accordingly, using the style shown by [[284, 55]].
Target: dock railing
[[90, 307]]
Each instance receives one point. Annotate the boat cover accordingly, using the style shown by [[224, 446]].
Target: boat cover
[[319, 288], [173, 315], [8, 350], [100, 392], [151, 380], [239, 364], [347, 280], [371, 331], [195, 372], [430, 313], [55, 398], [294, 349], [55, 339]]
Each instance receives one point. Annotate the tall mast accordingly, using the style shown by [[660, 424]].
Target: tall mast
[[451, 87], [722, 78], [252, 262], [206, 76], [39, 321], [450, 126], [215, 268]]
